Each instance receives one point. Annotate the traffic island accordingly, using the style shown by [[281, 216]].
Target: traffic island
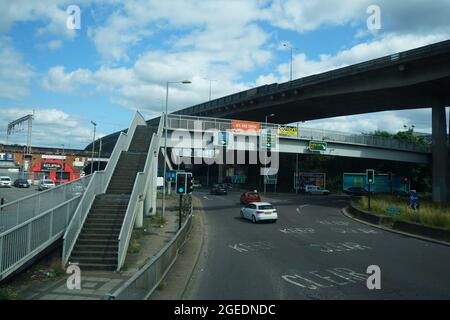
[[394, 224]]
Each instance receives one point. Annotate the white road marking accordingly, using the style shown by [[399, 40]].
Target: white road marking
[[206, 198], [251, 246], [297, 230], [300, 207], [330, 247], [313, 284]]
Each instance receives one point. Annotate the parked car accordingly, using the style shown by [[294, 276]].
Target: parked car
[[250, 196], [5, 181], [218, 189], [45, 184], [317, 190], [356, 191], [21, 183], [259, 211]]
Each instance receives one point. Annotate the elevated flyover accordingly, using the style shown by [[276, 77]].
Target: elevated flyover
[[418, 78], [338, 143]]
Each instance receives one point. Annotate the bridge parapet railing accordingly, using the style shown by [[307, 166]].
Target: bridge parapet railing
[[25, 239], [140, 186], [188, 123], [26, 208]]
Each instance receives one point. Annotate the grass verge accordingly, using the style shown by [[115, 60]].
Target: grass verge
[[429, 214]]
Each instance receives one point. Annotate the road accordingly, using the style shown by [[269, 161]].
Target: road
[[312, 252]]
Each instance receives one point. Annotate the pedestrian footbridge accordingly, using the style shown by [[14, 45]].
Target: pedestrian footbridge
[[93, 216]]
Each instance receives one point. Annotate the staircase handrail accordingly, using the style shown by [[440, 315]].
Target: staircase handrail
[[139, 190], [97, 185]]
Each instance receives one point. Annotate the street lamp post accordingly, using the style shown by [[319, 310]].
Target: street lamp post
[[62, 165], [165, 141], [93, 147], [296, 168], [290, 66], [99, 155], [265, 153]]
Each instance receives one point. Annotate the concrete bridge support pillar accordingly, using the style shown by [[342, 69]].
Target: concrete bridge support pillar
[[139, 222], [151, 195], [440, 161]]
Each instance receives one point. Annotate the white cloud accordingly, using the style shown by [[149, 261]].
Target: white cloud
[[390, 121], [54, 44], [51, 127], [51, 13], [15, 75], [57, 80]]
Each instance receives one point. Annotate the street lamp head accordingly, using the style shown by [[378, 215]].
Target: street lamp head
[[186, 82], [93, 123]]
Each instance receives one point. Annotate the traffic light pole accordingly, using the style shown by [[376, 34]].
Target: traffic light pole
[[179, 212], [369, 196]]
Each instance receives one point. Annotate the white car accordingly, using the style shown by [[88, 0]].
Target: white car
[[259, 211], [45, 184], [316, 190], [5, 182]]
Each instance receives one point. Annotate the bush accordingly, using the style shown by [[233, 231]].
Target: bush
[[8, 294]]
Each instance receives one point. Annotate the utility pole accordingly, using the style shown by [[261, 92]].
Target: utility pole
[[62, 165], [296, 168], [99, 153], [93, 147]]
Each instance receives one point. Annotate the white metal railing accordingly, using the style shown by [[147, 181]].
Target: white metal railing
[[23, 209], [28, 238], [139, 191], [187, 122], [97, 185], [145, 281]]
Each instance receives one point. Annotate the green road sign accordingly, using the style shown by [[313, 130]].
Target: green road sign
[[317, 146]]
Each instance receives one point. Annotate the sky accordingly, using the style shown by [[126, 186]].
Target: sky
[[123, 53]]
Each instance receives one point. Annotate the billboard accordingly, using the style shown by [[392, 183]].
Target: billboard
[[381, 183], [287, 131], [239, 125], [51, 166], [6, 156], [309, 178]]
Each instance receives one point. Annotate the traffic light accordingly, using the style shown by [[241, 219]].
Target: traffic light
[[223, 138], [269, 140], [370, 176], [181, 183], [405, 180], [190, 183]]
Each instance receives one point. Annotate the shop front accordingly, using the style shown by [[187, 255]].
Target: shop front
[[57, 170]]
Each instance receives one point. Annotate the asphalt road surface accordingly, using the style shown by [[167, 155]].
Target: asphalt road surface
[[312, 252]]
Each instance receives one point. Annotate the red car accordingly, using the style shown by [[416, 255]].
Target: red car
[[250, 196]]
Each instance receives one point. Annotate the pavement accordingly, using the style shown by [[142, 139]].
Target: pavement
[[312, 252], [41, 283]]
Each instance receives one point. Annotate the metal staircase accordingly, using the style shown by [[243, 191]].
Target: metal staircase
[[99, 233]]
